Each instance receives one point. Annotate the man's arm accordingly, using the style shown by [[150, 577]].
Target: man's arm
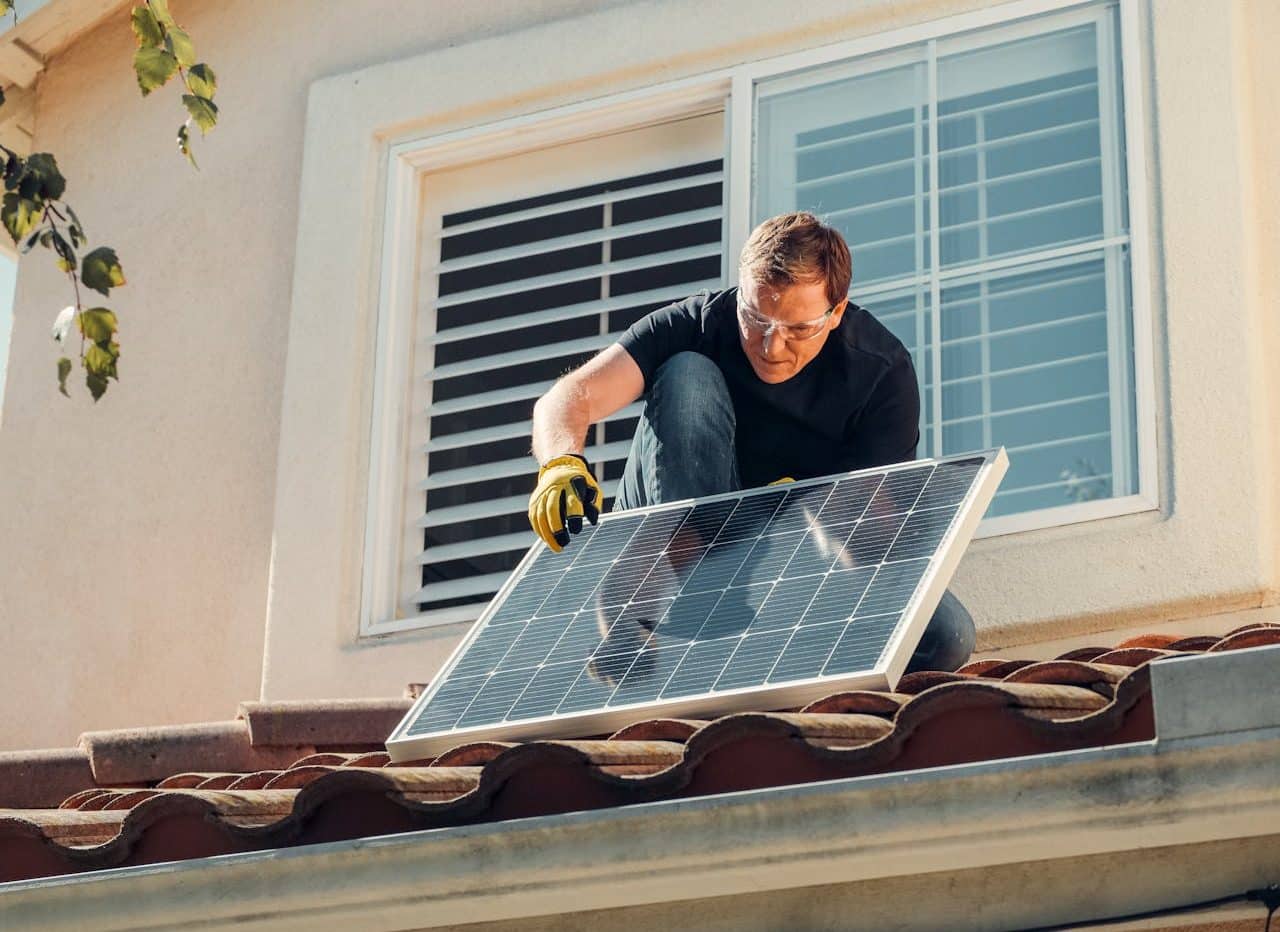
[[606, 383], [566, 490]]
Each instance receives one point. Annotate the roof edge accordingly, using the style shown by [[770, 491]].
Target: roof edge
[[1096, 801]]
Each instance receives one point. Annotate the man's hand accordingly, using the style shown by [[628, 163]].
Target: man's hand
[[566, 493]]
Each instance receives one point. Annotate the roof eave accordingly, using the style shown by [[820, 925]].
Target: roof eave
[[25, 50], [1196, 784]]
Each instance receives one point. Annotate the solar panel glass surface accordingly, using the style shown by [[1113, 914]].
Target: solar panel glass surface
[[686, 604]]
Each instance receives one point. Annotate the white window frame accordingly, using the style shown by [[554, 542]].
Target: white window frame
[[402, 284]]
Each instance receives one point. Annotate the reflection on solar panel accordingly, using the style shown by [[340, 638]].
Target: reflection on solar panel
[[760, 599]]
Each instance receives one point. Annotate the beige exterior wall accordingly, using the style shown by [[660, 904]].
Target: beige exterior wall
[[135, 536], [210, 511]]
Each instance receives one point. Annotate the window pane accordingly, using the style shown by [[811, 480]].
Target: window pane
[[852, 149], [1019, 145], [1036, 355]]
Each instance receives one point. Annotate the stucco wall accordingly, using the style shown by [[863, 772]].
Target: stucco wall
[[135, 535], [1209, 548], [138, 535]]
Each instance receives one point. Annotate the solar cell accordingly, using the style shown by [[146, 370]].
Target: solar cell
[[764, 598]]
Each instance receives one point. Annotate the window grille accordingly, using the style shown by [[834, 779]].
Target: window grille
[[527, 290], [1019, 310]]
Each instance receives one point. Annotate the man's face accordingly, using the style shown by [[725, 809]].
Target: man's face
[[779, 355]]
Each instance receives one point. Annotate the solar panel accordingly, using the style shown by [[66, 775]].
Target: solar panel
[[766, 598]]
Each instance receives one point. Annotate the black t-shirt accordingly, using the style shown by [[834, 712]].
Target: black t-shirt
[[856, 404]]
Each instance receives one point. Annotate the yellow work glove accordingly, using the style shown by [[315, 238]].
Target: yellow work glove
[[566, 493]]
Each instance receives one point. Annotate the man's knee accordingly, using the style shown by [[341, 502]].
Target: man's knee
[[690, 397], [948, 640]]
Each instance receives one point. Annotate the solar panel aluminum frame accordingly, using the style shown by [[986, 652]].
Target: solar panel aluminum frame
[[884, 675]]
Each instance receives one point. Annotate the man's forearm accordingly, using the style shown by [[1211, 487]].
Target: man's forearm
[[560, 420]]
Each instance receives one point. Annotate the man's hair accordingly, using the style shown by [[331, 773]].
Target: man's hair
[[798, 248]]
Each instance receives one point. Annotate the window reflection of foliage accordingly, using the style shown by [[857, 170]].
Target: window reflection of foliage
[[33, 211], [1083, 482]]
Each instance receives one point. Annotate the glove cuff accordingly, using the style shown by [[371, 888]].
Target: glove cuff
[[564, 459]]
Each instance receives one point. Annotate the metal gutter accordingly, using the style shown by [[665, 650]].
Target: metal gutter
[[1212, 775]]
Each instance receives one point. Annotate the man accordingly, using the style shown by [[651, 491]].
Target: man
[[778, 378]]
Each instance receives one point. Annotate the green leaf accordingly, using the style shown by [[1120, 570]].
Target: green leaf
[[97, 385], [98, 324], [146, 27], [100, 359], [204, 111], [100, 270], [12, 169], [179, 43], [75, 228], [184, 145], [66, 255], [161, 9], [74, 219], [42, 178], [30, 242], [64, 370], [201, 81], [154, 67], [20, 215]]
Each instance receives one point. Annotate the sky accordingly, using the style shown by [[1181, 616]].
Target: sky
[[8, 274]]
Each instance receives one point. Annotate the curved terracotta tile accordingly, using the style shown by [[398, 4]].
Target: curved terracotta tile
[[658, 729], [295, 778], [1251, 626], [253, 781], [217, 781], [1083, 653], [132, 755], [1161, 641], [38, 779], [859, 701], [470, 754], [980, 667], [99, 801], [372, 759], [77, 800], [322, 722], [130, 799], [918, 682], [1259, 636], [183, 781], [834, 725], [1199, 642], [1132, 656], [1069, 673], [67, 827], [324, 759], [615, 752], [1005, 668], [949, 719]]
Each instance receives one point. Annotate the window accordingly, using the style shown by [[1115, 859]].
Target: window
[[978, 172], [528, 285], [1017, 313]]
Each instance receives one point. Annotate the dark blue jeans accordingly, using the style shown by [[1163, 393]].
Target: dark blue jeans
[[684, 448]]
